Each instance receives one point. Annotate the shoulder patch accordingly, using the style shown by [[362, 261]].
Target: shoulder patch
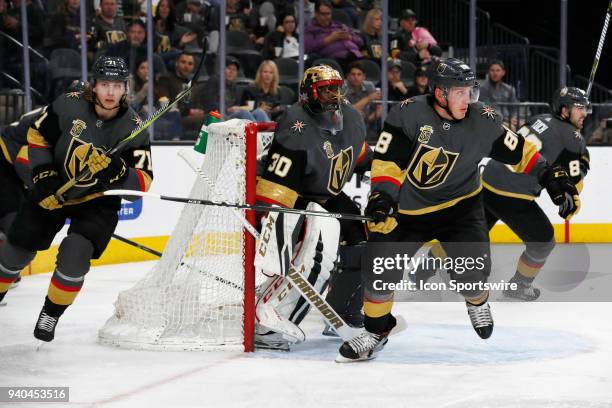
[[74, 94], [298, 126], [406, 102], [488, 112]]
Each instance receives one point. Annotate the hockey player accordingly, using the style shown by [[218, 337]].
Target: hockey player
[[511, 197], [425, 185], [318, 145], [68, 137], [14, 170]]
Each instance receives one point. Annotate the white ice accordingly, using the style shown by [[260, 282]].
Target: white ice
[[540, 355]]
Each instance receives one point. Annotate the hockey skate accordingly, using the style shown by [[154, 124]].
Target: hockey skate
[[45, 326], [524, 291], [363, 347], [481, 318]]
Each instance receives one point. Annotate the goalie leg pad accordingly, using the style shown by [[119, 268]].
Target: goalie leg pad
[[315, 254]]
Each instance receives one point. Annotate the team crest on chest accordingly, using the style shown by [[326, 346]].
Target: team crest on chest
[[78, 126], [425, 135], [339, 170], [76, 161], [430, 166]]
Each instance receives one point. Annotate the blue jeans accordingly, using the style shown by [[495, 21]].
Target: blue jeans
[[256, 115]]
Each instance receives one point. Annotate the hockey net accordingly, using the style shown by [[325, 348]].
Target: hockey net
[[201, 293]]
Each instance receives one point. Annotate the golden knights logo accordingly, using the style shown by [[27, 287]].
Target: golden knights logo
[[340, 169], [78, 126], [430, 166], [76, 161], [425, 134]]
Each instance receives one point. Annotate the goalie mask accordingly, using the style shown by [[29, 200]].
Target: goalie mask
[[321, 95]]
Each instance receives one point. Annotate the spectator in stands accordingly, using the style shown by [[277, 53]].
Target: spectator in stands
[[362, 94], [64, 27], [283, 43], [207, 96], [495, 90], [371, 34], [168, 126], [174, 37], [175, 82], [412, 43], [10, 23], [398, 90], [263, 94], [421, 83], [262, 20], [108, 29], [603, 133], [196, 17], [349, 8], [134, 47], [330, 39]]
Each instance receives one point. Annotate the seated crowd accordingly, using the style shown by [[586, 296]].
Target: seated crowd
[[262, 48]]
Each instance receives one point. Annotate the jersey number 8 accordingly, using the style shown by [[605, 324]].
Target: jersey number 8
[[574, 168], [280, 165], [511, 140], [383, 142]]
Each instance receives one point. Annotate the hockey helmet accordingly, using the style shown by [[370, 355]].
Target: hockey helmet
[[110, 69], [451, 72], [318, 79], [569, 97]]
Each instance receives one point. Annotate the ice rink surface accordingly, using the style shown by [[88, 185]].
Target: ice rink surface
[[540, 355]]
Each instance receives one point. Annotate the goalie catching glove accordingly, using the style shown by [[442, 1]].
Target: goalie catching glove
[[46, 180], [561, 190], [381, 208], [109, 170]]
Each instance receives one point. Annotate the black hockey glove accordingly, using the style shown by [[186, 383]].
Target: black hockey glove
[[570, 206], [46, 180], [556, 181], [380, 206], [111, 171]]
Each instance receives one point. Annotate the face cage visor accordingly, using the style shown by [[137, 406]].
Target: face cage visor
[[472, 93]]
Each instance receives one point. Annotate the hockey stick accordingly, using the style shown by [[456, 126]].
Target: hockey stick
[[159, 254], [59, 194], [262, 208], [602, 39], [137, 245]]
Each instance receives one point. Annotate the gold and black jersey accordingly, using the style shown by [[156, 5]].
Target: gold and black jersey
[[428, 163], [64, 131], [306, 161], [558, 141]]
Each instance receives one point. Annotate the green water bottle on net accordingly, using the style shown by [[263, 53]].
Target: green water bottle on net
[[200, 146]]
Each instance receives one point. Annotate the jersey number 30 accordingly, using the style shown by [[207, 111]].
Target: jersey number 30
[[280, 165]]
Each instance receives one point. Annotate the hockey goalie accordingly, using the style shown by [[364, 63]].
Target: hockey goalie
[[318, 145]]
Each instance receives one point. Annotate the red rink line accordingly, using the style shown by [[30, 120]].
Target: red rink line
[[153, 385]]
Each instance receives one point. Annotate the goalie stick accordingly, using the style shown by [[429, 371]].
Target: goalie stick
[[262, 208], [59, 194]]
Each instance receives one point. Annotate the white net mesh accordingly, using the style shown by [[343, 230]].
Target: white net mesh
[[192, 299]]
